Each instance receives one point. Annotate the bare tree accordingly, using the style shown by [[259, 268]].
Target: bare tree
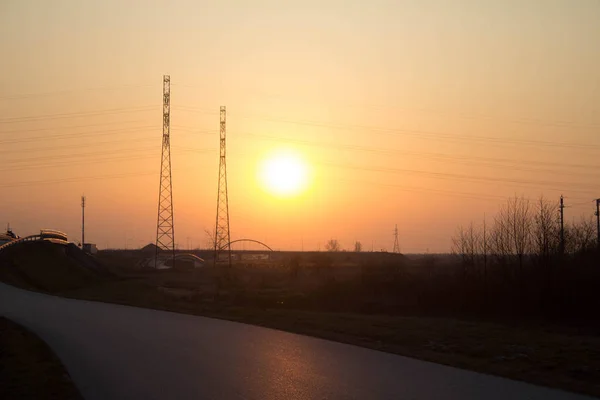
[[500, 243], [333, 245], [466, 244], [211, 239], [484, 247], [357, 247], [473, 238], [581, 236], [546, 230], [518, 215]]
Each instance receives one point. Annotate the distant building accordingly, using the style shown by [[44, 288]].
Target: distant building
[[90, 248], [149, 248]]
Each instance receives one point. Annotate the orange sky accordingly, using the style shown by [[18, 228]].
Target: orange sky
[[425, 114]]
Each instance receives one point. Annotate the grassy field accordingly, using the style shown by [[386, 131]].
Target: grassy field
[[557, 356], [29, 369]]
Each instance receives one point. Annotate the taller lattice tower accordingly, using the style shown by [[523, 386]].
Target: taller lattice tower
[[222, 237], [165, 233]]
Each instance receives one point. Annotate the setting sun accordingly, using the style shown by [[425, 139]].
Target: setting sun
[[283, 174]]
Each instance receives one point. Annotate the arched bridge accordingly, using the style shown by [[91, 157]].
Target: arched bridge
[[164, 261], [248, 240]]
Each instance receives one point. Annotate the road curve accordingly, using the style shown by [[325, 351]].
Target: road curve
[[119, 352]]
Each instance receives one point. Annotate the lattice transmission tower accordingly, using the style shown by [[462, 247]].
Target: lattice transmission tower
[[82, 222], [165, 233], [222, 238], [396, 243]]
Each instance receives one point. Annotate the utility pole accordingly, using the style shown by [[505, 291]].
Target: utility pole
[[484, 249], [562, 225], [396, 243], [598, 221], [82, 221]]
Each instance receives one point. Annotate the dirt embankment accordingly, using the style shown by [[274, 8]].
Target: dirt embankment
[[49, 268]]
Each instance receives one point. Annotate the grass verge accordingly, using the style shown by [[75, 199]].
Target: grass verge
[[29, 369]]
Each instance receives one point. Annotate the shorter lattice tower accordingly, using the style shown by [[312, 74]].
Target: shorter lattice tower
[[396, 243], [222, 238]]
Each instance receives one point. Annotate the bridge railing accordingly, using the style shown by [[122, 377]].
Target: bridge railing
[[53, 234], [20, 240]]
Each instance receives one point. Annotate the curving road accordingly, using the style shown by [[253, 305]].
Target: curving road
[[119, 352]]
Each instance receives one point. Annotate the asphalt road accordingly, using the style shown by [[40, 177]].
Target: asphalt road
[[119, 352]]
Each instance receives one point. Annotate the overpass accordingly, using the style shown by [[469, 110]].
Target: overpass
[[48, 235]]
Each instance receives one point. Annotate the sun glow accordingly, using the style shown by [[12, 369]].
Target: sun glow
[[284, 174]]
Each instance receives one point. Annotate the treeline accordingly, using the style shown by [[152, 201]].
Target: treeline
[[516, 264], [524, 234], [523, 262]]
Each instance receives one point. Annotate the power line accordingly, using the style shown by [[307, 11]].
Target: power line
[[429, 134], [78, 155], [206, 111], [442, 175], [96, 160], [439, 156], [466, 195], [77, 146], [21, 160], [437, 174], [71, 180], [77, 135], [456, 114], [76, 162], [581, 203], [470, 160], [195, 131], [67, 92], [35, 118], [119, 123]]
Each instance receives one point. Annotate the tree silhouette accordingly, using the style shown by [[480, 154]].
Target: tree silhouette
[[333, 245]]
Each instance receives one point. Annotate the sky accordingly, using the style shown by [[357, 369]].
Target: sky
[[424, 114]]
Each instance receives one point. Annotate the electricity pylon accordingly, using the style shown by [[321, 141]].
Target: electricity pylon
[[165, 233], [396, 243], [222, 238]]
